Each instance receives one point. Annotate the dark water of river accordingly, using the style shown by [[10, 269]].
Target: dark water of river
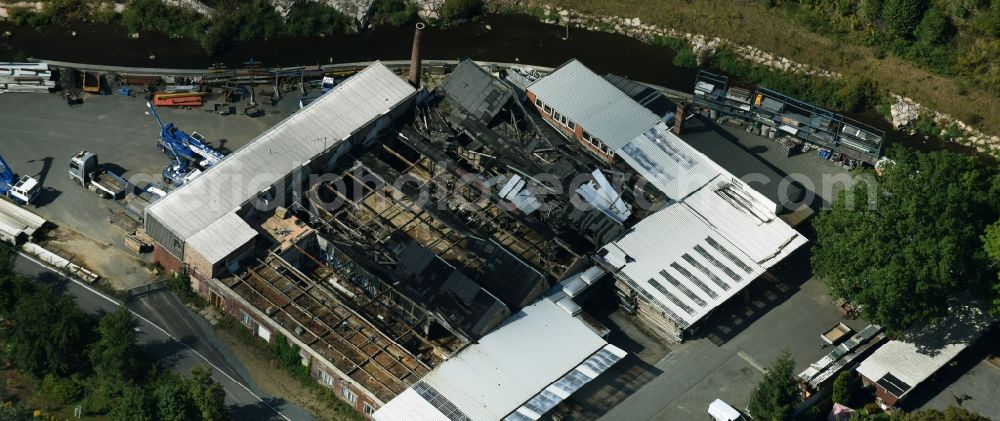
[[503, 38]]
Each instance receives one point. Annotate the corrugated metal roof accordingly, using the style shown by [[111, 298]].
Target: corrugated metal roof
[[491, 379], [748, 222], [15, 220], [475, 90], [594, 103], [666, 161], [222, 237], [692, 256], [923, 351], [281, 149]]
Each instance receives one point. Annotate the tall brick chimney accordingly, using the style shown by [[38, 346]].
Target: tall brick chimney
[[415, 56], [679, 119]]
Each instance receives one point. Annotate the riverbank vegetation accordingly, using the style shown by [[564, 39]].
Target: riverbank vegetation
[[232, 20], [902, 245], [874, 51], [55, 357]]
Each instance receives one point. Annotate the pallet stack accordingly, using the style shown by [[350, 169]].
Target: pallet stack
[[26, 77]]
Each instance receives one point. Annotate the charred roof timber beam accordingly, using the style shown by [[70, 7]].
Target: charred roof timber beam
[[357, 349], [351, 310], [385, 287]]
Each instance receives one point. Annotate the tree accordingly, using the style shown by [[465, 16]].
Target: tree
[[843, 388], [902, 16], [48, 334], [991, 242], [173, 402], [133, 405], [900, 245], [934, 27], [453, 10], [777, 395], [115, 357], [208, 397], [952, 413]]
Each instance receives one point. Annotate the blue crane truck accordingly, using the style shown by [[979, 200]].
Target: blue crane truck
[[22, 190]]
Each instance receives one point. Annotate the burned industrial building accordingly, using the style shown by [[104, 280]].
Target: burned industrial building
[[387, 231]]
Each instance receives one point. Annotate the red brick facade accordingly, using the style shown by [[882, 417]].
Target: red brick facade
[[163, 258], [224, 299], [572, 129]]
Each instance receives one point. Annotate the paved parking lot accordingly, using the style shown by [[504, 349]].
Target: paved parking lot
[[40, 133], [727, 356], [971, 381]]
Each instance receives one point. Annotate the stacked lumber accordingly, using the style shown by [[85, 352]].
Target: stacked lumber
[[26, 77]]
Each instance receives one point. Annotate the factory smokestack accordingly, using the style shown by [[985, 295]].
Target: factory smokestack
[[679, 119], [415, 56]]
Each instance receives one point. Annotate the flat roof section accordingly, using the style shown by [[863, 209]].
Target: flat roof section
[[663, 159], [538, 357], [222, 237], [281, 150], [901, 365]]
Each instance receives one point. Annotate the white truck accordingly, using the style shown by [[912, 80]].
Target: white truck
[[85, 170]]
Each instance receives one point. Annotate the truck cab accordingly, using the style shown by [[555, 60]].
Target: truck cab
[[81, 165], [25, 190]]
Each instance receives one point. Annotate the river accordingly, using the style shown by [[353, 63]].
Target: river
[[503, 38]]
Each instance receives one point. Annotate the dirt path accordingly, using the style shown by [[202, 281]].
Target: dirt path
[[120, 269], [274, 381]]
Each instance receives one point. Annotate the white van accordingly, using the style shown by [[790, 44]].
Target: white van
[[721, 411]]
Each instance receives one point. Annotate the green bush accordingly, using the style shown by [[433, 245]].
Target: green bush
[[843, 387], [394, 12], [309, 18], [453, 10], [154, 15], [685, 58], [61, 391], [22, 16]]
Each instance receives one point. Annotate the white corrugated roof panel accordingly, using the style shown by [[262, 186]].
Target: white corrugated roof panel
[[593, 103], [745, 222], [682, 264], [693, 255], [280, 150], [410, 406], [222, 237], [906, 362], [900, 365], [488, 380], [666, 161], [17, 219]]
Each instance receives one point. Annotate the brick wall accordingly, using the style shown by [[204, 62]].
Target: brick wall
[[225, 300], [163, 258], [575, 133]]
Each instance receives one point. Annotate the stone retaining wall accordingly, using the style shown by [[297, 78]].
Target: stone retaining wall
[[905, 111]]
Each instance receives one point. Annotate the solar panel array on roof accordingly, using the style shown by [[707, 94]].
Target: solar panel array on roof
[[893, 385]]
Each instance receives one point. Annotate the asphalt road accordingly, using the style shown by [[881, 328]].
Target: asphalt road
[[181, 341]]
